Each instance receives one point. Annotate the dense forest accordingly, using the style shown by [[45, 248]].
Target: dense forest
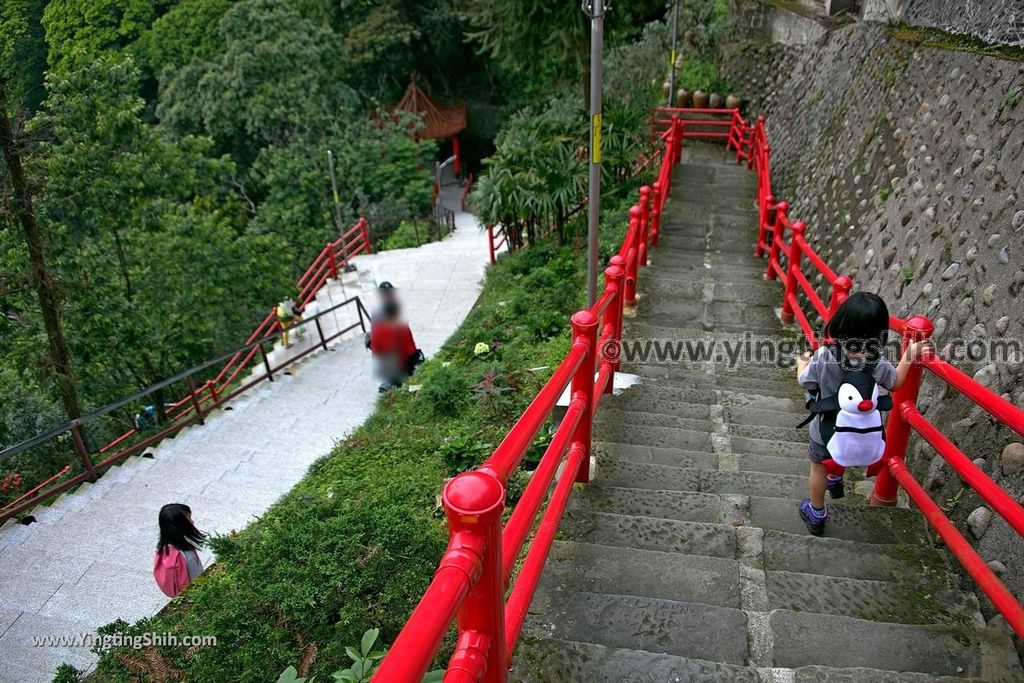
[[175, 153]]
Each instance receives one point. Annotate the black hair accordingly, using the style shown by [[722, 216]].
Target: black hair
[[861, 321], [177, 529]]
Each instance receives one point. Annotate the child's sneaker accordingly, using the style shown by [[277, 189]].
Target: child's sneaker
[[834, 485], [814, 520]]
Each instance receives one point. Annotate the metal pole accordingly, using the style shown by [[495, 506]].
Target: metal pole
[[672, 66], [596, 9]]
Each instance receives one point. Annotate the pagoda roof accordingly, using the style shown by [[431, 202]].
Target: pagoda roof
[[439, 121]]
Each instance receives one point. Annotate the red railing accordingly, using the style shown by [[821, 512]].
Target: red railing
[[470, 585], [791, 262], [201, 398], [496, 239]]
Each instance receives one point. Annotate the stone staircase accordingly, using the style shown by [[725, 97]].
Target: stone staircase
[[685, 559]]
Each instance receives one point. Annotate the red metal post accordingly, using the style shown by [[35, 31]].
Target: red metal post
[[584, 328], [656, 214], [778, 234], [613, 277], [490, 240], [473, 503], [331, 260], [676, 139], [840, 293], [365, 229], [211, 385], [645, 225], [765, 205], [632, 254], [793, 267], [897, 432]]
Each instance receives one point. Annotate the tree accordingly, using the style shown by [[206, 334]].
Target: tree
[[146, 283], [39, 273], [82, 29], [22, 53]]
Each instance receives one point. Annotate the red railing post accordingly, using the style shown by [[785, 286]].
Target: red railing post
[[676, 139], [473, 503], [584, 329], [211, 386], [333, 264], [195, 399], [632, 255], [778, 234], [840, 293], [490, 241], [764, 206], [897, 432], [645, 216], [793, 267], [613, 277], [364, 228], [656, 213]]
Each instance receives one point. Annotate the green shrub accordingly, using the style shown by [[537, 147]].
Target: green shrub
[[446, 389]]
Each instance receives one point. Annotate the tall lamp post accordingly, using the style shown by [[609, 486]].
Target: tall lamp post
[[672, 66], [595, 9]]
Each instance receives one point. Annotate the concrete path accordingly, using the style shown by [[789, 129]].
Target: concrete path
[[88, 559]]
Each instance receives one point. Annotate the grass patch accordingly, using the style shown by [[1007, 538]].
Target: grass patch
[[937, 38], [356, 542]]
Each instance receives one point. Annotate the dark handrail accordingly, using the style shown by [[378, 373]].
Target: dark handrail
[[110, 407]]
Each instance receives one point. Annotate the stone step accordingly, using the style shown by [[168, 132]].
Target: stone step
[[650, 533], [856, 560], [649, 403], [907, 602], [655, 282], [612, 414], [776, 464], [551, 660], [711, 372], [675, 457], [848, 522], [637, 623], [623, 473], [661, 437], [680, 376], [593, 568], [802, 639], [675, 505], [742, 415], [639, 417]]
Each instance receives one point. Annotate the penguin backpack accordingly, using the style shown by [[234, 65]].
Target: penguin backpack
[[851, 420]]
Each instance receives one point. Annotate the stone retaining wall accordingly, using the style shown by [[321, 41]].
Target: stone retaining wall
[[907, 163]]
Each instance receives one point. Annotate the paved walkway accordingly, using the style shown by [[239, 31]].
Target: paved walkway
[[88, 559]]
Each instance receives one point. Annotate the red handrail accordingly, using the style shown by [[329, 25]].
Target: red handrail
[[751, 144], [473, 576]]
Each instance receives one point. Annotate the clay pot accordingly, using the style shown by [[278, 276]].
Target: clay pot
[[665, 87], [679, 61], [732, 102], [688, 37], [715, 101], [683, 97], [700, 99]]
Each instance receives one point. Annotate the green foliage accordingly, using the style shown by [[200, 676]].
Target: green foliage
[[364, 660], [22, 52], [445, 390], [535, 181], [78, 31], [189, 30], [462, 452], [68, 674]]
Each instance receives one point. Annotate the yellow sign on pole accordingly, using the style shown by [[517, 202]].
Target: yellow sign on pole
[[595, 139]]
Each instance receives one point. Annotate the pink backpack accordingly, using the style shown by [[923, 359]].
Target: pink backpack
[[170, 569]]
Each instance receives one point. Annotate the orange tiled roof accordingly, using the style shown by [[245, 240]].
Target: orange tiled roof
[[439, 121]]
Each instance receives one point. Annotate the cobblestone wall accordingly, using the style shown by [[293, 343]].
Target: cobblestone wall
[[907, 164]]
